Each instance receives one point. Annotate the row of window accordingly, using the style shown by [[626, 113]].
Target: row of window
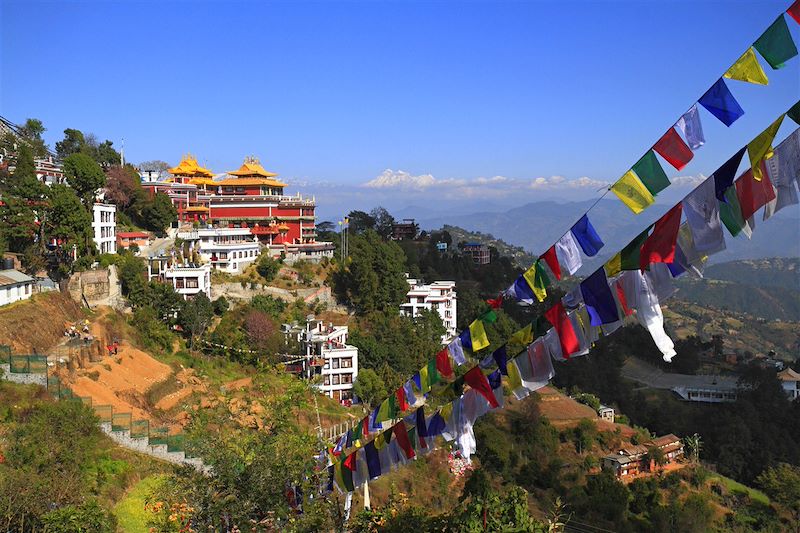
[[340, 362], [238, 255], [106, 216], [107, 231], [186, 283], [338, 379]]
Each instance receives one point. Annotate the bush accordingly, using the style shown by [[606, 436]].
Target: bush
[[267, 267], [221, 306], [153, 333], [88, 517]]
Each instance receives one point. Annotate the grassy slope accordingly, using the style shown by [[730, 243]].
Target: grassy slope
[[130, 512]]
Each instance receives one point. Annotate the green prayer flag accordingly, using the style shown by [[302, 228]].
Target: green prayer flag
[[794, 113], [731, 212], [358, 431], [630, 254], [412, 436], [490, 317], [458, 386], [383, 411], [393, 410], [541, 327], [776, 44], [649, 171], [433, 373]]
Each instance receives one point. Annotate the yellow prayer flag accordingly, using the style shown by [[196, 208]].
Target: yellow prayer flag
[[514, 378], [477, 335], [747, 68], [630, 189], [614, 265], [536, 284], [424, 381], [522, 337], [761, 147], [446, 411]]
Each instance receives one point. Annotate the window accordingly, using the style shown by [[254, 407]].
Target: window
[[334, 363], [180, 283], [347, 362], [326, 380], [347, 379], [335, 380], [191, 283]]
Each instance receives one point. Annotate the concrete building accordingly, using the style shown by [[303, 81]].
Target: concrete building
[[104, 227], [478, 252], [634, 460], [127, 238], [439, 296], [227, 249], [790, 381], [324, 353], [708, 389], [187, 279], [15, 286], [48, 171], [606, 413]]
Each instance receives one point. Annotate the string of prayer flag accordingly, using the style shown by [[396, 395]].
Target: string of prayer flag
[[719, 101], [672, 148], [747, 68], [776, 45]]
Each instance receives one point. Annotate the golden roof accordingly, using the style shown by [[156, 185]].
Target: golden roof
[[189, 167], [250, 181], [197, 208], [252, 167], [202, 181]]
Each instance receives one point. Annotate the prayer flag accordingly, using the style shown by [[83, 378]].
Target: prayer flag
[[489, 317], [561, 323], [358, 431], [723, 176], [443, 364], [623, 302], [520, 291], [457, 352], [614, 265], [719, 101], [477, 335], [692, 129], [465, 340], [776, 44], [346, 477], [753, 194], [475, 379], [599, 299], [631, 254], [587, 237], [730, 212], [433, 373], [632, 192], [402, 404], [660, 245], [761, 147], [673, 149], [401, 434], [649, 171], [515, 380], [537, 280], [496, 303], [702, 213], [552, 261], [522, 337], [794, 11], [747, 69], [501, 358], [423, 376], [417, 379], [436, 424], [422, 430], [794, 112], [373, 460], [568, 254], [350, 462], [783, 169], [348, 441]]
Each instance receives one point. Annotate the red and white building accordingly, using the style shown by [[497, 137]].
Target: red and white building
[[249, 197]]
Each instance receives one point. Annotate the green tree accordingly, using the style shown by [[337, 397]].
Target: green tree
[[657, 456], [23, 203], [158, 214], [360, 222], [68, 221], [384, 222], [694, 444], [220, 306], [369, 387], [607, 496], [782, 483], [32, 131], [584, 435], [72, 143], [269, 305], [195, 316], [267, 267], [85, 176]]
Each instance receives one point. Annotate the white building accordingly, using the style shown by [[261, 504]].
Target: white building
[[326, 353], [48, 171], [228, 249], [790, 381], [707, 389], [187, 279], [104, 227], [15, 286], [439, 296]]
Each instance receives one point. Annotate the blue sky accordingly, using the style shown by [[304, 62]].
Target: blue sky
[[458, 99]]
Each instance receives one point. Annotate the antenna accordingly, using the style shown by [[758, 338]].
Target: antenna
[[122, 152]]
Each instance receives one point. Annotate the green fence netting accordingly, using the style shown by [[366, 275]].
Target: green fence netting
[[175, 443], [104, 412], [27, 364], [37, 364], [5, 354], [121, 421], [158, 436], [140, 428]]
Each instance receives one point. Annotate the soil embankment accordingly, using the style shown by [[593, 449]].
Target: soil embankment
[[38, 324]]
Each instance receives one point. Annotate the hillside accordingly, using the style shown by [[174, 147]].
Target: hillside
[[38, 323], [781, 272], [517, 254]]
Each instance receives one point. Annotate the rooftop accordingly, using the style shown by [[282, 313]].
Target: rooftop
[[13, 277], [788, 375], [189, 167]]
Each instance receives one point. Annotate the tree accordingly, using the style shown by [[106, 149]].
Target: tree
[[782, 484], [157, 165], [360, 222], [106, 155], [585, 434], [656, 456], [22, 209], [159, 214], [220, 306], [267, 267], [694, 444], [32, 130], [262, 334], [72, 143], [269, 305], [607, 496], [195, 316], [369, 387], [68, 221], [123, 187], [384, 222], [85, 176]]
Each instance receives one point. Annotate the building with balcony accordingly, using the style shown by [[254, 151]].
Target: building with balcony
[[479, 253], [405, 230], [439, 296], [104, 227], [326, 356], [48, 171], [188, 279], [125, 239], [227, 249], [634, 461]]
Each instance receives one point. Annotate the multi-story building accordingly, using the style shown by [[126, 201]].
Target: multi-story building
[[439, 296], [790, 381], [228, 249], [479, 253], [635, 460], [188, 279], [405, 230], [325, 353], [48, 170], [104, 227], [250, 197], [126, 239]]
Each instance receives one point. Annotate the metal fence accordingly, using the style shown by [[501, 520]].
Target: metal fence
[[28, 364]]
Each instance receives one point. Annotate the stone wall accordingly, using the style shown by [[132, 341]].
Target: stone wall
[[24, 378], [159, 451], [235, 292], [100, 287]]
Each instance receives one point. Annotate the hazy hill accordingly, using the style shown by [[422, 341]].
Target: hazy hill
[[771, 272], [537, 225], [522, 258]]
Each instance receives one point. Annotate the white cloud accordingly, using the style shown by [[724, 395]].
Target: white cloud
[[390, 179], [688, 181]]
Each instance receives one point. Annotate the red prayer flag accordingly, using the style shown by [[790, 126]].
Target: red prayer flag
[[497, 303], [350, 461], [400, 433], [566, 334], [794, 11], [622, 300], [365, 426], [752, 193], [660, 245], [402, 404], [475, 379], [672, 148], [443, 364], [552, 261]]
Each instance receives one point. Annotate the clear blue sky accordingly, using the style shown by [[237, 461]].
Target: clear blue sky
[[338, 92]]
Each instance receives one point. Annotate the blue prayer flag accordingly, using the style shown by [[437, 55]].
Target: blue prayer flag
[[587, 237], [466, 341], [495, 379], [599, 299], [724, 175], [719, 101], [422, 431], [501, 358], [436, 425], [373, 460]]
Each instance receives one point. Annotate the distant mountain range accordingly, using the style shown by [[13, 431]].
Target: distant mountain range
[[535, 226]]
